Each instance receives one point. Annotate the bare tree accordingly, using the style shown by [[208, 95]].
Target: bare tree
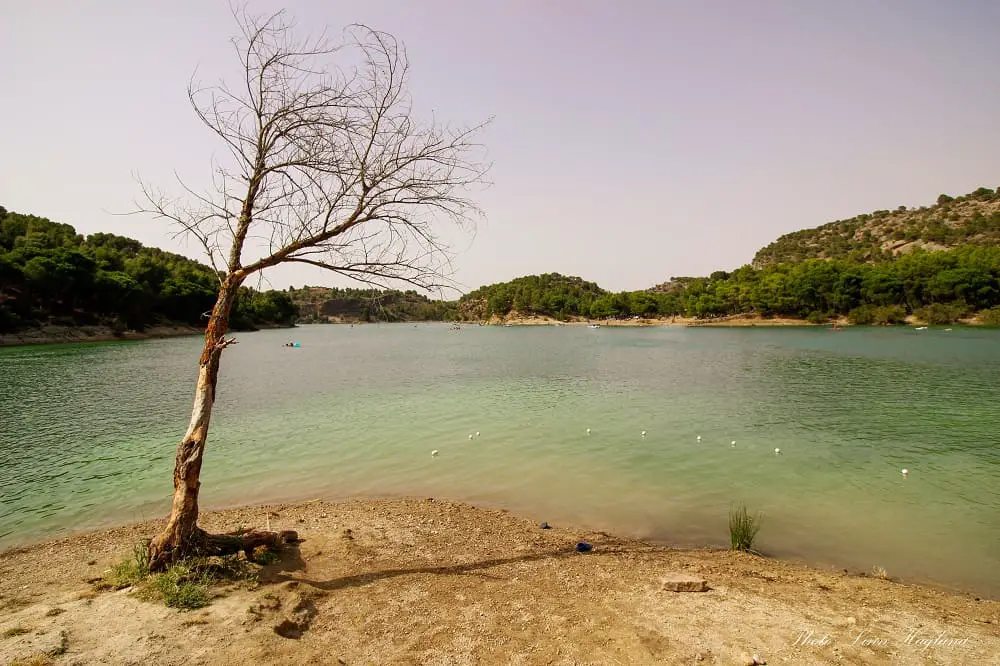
[[326, 166]]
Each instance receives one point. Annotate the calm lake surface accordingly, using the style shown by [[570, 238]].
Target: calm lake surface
[[88, 431]]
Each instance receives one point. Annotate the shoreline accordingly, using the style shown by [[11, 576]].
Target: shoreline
[[114, 526], [404, 580], [693, 322], [56, 335], [804, 562], [732, 321]]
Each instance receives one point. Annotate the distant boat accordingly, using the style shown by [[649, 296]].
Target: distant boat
[[593, 325], [921, 328]]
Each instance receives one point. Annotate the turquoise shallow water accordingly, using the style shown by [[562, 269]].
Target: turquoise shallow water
[[87, 432]]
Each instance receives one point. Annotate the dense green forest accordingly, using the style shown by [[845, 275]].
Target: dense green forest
[[323, 304], [939, 264], [937, 287], [873, 269], [49, 274], [881, 235], [551, 294]]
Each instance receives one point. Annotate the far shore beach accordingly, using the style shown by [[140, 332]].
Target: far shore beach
[[402, 581], [740, 320], [69, 334]]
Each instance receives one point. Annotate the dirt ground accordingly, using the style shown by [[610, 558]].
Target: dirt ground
[[433, 582]]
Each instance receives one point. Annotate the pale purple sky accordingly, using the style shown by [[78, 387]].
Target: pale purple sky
[[632, 141]]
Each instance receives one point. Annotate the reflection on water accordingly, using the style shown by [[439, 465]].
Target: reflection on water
[[88, 432]]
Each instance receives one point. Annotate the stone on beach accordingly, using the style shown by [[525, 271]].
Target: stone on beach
[[675, 582]]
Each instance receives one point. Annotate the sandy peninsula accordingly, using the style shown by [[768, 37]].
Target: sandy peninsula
[[423, 581], [733, 320]]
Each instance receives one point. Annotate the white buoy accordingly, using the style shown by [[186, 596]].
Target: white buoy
[[588, 431], [905, 471], [733, 442], [698, 438], [643, 433], [777, 452], [434, 453], [477, 433]]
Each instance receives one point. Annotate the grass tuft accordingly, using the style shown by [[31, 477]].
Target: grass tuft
[[181, 586], [63, 645], [130, 572], [743, 528], [35, 660], [15, 631], [880, 573], [264, 556], [187, 584]]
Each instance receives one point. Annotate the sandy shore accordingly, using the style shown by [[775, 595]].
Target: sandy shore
[[64, 334], [731, 320], [740, 320], [407, 581]]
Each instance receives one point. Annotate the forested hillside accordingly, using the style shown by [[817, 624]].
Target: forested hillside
[[939, 264], [324, 304], [49, 274], [936, 287], [970, 219], [550, 294]]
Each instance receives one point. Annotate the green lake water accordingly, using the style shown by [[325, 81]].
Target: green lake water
[[88, 431]]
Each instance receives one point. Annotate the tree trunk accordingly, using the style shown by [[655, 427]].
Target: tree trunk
[[182, 537]]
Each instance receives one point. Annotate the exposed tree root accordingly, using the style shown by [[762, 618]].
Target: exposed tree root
[[234, 542], [199, 543]]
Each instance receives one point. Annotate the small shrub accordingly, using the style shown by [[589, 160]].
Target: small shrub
[[941, 313], [185, 585], [817, 317], [887, 315], [990, 317], [63, 645], [883, 315], [879, 572], [743, 528], [15, 631], [35, 660], [129, 572], [180, 586], [861, 315], [264, 556]]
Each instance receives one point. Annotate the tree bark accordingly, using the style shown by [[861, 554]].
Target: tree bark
[[182, 537]]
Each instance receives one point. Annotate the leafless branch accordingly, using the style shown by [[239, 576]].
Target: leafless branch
[[327, 164], [224, 342]]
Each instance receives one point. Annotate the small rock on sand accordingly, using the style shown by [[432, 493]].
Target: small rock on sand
[[675, 582]]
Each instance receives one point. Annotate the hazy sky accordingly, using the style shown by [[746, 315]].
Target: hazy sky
[[632, 141]]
